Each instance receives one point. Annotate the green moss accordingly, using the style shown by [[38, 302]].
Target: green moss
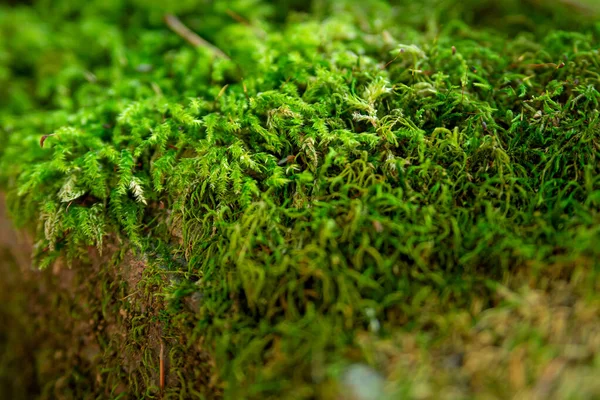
[[350, 174]]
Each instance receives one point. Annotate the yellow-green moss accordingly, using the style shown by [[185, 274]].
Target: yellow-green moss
[[346, 176]]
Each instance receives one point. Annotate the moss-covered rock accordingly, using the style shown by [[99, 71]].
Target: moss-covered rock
[[258, 199]]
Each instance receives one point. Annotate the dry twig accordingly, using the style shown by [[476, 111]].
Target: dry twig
[[162, 366], [191, 37]]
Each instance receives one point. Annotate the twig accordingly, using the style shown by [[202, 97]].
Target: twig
[[129, 295], [162, 366], [244, 21], [237, 17], [192, 38], [391, 61], [578, 5]]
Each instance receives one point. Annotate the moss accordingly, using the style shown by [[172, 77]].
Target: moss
[[326, 183]]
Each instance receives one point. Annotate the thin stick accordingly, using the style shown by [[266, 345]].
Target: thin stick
[[129, 295], [237, 17], [244, 21], [391, 61], [162, 366], [578, 5], [192, 38]]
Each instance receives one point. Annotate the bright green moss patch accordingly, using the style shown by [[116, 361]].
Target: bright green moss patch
[[347, 182]]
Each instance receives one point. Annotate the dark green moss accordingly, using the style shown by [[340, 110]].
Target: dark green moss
[[345, 166]]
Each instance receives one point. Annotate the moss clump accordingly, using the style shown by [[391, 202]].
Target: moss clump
[[343, 176]]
